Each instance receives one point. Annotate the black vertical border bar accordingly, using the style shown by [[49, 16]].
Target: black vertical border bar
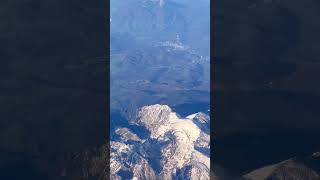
[[212, 79], [107, 58]]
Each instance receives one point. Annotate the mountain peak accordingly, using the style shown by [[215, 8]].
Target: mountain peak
[[173, 154], [154, 116], [172, 145]]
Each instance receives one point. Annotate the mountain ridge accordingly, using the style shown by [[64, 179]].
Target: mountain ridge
[[176, 139]]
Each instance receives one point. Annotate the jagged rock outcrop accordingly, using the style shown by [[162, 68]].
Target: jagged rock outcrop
[[169, 153]]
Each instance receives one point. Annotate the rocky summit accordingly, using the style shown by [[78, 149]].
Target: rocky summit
[[169, 152]]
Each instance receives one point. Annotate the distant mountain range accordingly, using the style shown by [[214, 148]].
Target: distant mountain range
[[158, 74], [148, 21]]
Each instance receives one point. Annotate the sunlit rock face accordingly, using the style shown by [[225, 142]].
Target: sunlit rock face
[[168, 153]]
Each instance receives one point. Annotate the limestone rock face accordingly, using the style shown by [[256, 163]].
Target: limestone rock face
[[169, 152]]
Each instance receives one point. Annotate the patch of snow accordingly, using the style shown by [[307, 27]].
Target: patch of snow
[[191, 116], [174, 139]]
